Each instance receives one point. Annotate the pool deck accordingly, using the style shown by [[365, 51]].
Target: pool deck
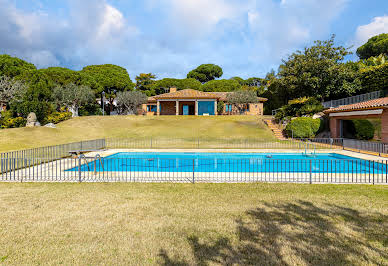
[[56, 171]]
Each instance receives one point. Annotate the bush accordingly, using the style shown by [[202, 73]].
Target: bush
[[13, 122], [57, 117], [90, 109], [364, 129], [303, 127], [300, 107]]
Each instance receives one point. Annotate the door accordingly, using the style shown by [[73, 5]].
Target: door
[[185, 110]]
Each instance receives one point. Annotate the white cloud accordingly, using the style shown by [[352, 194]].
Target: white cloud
[[377, 26]]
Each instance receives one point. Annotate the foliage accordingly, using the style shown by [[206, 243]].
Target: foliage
[[56, 117], [220, 107], [90, 109], [221, 85], [36, 98], [374, 78], [144, 82], [10, 89], [303, 127], [375, 46], [13, 66], [63, 76], [129, 102], [241, 99], [363, 129], [73, 96], [305, 106], [374, 61], [318, 72], [241, 81], [13, 122], [160, 86], [205, 73]]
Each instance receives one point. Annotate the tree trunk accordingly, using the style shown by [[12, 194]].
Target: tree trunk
[[74, 110]]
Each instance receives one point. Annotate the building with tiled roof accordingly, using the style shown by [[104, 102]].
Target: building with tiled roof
[[377, 108], [194, 102]]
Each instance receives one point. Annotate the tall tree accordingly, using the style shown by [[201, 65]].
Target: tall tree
[[161, 86], [73, 96], [205, 73], [221, 85], [144, 82], [63, 76], [375, 46], [108, 78], [13, 66], [318, 71]]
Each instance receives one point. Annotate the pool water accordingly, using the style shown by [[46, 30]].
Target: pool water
[[232, 162]]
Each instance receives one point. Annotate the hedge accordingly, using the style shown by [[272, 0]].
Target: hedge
[[13, 122], [303, 127]]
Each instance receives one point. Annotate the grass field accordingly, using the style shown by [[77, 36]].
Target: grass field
[[185, 224], [84, 128]]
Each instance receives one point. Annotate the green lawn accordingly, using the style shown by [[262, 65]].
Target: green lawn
[[186, 224], [84, 128]]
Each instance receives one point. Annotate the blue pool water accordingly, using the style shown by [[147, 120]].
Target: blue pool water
[[233, 162]]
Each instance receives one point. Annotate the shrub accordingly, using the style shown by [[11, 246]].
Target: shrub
[[300, 107], [364, 129], [303, 127], [57, 117], [13, 122], [220, 107]]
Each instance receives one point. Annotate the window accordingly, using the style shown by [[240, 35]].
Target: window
[[151, 108], [228, 108]]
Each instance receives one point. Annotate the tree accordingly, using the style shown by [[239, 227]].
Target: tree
[[129, 102], [73, 96], [242, 98], [375, 46], [37, 95], [13, 66], [221, 85], [318, 71], [10, 89], [160, 86], [108, 78], [205, 73], [63, 76], [144, 82]]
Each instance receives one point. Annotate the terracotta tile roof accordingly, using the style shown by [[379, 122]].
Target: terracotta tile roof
[[223, 96], [372, 104], [194, 94], [187, 94]]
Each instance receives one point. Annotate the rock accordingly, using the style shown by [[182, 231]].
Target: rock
[[50, 125], [37, 124], [318, 115], [31, 120]]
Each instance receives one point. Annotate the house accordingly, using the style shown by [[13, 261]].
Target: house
[[194, 102], [377, 108]]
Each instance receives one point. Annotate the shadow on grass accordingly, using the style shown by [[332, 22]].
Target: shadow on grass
[[295, 233]]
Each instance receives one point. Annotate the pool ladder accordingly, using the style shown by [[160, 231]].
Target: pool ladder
[[313, 151], [97, 157]]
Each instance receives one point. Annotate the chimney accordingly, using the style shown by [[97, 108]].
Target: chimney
[[173, 89]]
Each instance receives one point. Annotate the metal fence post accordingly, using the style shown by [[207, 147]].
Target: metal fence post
[[79, 169], [193, 171], [311, 178]]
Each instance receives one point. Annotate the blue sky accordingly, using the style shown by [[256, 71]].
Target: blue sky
[[171, 37]]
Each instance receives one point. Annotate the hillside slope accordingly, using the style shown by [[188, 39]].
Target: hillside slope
[[93, 127]]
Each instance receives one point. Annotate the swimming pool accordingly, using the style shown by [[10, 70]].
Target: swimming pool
[[232, 162]]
